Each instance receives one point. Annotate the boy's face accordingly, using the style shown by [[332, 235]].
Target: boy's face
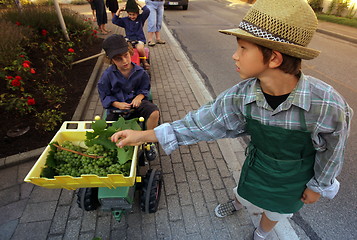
[[249, 60], [133, 16], [122, 61]]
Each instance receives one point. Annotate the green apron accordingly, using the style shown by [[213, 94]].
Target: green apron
[[278, 165]]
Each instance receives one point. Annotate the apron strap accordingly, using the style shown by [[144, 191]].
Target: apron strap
[[249, 110], [302, 120]]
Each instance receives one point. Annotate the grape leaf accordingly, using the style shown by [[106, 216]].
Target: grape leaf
[[99, 125], [50, 160], [125, 154], [105, 142]]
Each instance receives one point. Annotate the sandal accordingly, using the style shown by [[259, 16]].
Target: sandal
[[160, 41], [225, 209], [151, 43]]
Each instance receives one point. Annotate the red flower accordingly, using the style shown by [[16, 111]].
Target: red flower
[[22, 56], [18, 78], [32, 70], [9, 77], [25, 65], [95, 31], [44, 32], [15, 83], [18, 23], [71, 50], [31, 101]]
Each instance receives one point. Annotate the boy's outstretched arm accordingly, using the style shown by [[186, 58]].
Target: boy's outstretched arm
[[133, 138]]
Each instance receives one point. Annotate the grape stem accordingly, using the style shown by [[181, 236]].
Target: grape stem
[[76, 152]]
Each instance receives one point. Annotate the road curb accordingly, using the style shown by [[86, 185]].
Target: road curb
[[337, 35]]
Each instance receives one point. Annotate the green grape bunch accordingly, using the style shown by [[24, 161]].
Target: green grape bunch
[[69, 159]]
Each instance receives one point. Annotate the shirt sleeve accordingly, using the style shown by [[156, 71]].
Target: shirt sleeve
[[104, 87], [218, 119], [144, 85], [118, 21], [330, 140], [145, 14]]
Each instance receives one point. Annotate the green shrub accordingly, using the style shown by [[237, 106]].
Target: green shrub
[[316, 5], [12, 41], [352, 22]]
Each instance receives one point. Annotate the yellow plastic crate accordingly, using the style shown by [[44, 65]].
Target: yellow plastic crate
[[75, 132]]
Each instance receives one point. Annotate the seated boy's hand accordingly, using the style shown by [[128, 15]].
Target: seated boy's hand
[[122, 105], [136, 102], [310, 196]]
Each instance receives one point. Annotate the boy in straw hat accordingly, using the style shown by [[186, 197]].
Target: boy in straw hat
[[133, 25], [298, 124]]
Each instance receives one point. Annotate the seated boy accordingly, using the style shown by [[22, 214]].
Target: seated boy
[[298, 124], [125, 85], [133, 25]]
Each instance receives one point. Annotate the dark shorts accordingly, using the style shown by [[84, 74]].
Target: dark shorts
[[145, 109]]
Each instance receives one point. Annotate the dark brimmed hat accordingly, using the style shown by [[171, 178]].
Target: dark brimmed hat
[[114, 45], [286, 26], [131, 6]]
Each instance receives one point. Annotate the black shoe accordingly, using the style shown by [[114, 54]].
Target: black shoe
[[150, 151]]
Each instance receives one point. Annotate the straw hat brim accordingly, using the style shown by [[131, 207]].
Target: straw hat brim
[[286, 48]]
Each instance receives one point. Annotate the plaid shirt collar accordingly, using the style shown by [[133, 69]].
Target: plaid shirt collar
[[300, 96]]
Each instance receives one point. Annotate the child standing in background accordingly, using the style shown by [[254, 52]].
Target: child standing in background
[[133, 25]]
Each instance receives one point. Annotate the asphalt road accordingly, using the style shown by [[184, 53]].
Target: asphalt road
[[210, 52]]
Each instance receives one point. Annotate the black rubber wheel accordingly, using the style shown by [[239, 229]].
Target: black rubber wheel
[[87, 199], [151, 191], [141, 158], [184, 7]]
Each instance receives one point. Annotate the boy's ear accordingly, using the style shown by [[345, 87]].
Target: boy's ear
[[276, 59]]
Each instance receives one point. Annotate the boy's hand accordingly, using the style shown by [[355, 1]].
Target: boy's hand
[[133, 138], [122, 105], [310, 196], [137, 100], [127, 138]]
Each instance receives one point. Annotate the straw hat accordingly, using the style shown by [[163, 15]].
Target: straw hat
[[286, 26]]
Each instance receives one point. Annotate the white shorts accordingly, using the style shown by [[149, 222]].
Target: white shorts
[[273, 216]]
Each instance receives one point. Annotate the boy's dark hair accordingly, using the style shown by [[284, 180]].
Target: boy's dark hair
[[291, 65]]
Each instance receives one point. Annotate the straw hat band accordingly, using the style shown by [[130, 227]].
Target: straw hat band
[[300, 34], [261, 33]]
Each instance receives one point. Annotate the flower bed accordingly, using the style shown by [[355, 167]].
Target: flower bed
[[39, 88]]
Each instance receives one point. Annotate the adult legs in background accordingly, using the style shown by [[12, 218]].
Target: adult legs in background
[[155, 21], [101, 15]]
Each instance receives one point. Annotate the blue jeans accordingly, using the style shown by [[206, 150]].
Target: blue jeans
[[156, 15]]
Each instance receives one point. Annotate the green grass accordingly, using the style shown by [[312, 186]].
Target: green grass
[[352, 22]]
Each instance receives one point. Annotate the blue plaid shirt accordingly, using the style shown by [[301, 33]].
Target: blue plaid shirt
[[327, 117]]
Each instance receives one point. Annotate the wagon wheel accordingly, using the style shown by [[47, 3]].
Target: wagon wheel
[[87, 199], [151, 191]]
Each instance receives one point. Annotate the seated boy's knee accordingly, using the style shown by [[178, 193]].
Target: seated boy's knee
[[155, 115]]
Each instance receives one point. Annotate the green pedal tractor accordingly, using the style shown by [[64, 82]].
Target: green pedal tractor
[[81, 157]]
